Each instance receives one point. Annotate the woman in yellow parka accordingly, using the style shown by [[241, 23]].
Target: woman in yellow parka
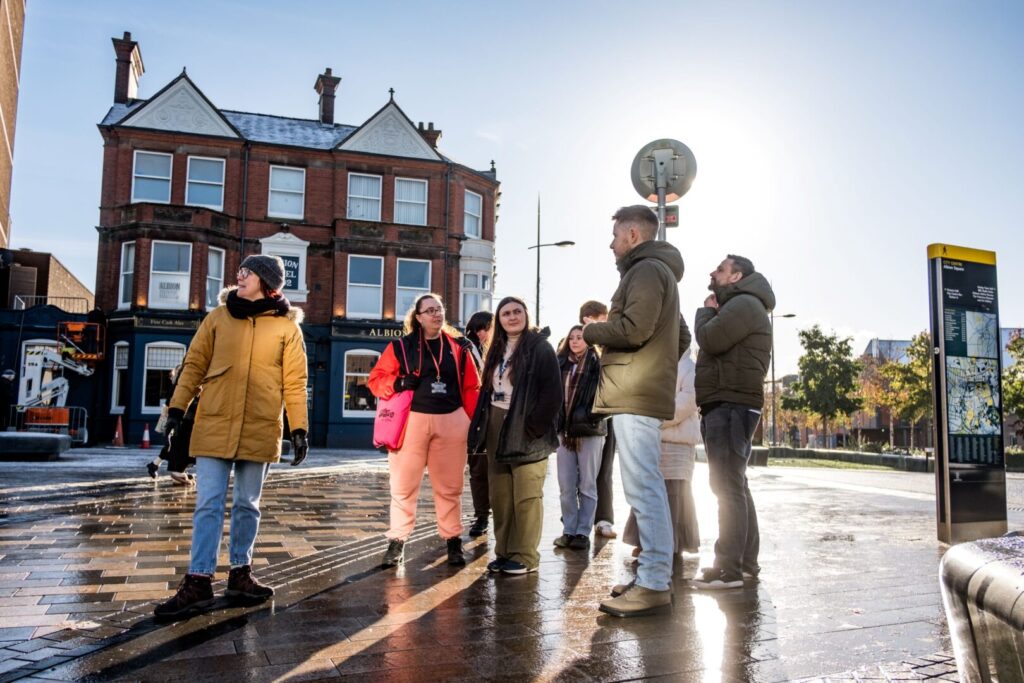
[[249, 360]]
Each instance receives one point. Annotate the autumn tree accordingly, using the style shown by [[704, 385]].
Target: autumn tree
[[875, 389], [911, 382], [827, 385], [1013, 383]]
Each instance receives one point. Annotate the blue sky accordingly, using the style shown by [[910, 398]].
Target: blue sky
[[834, 140]]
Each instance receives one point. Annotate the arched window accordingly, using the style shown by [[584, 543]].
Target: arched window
[[119, 382], [161, 358]]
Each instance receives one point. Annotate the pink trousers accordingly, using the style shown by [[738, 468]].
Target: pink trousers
[[436, 443]]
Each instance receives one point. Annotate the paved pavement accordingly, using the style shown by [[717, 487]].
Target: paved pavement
[[849, 588]]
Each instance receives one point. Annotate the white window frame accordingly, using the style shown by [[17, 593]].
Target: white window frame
[[124, 299], [426, 197], [479, 290], [345, 412], [218, 283], [23, 376], [189, 182], [479, 217], [287, 245], [349, 313], [379, 198], [117, 408], [400, 312], [170, 176], [271, 191], [143, 408], [152, 301]]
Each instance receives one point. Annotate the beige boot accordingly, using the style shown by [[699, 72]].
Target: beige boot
[[638, 601]]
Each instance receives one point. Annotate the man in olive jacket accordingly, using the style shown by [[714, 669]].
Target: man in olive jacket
[[735, 338], [640, 343]]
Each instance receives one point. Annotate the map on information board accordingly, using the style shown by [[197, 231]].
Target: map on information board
[[973, 396], [982, 335]]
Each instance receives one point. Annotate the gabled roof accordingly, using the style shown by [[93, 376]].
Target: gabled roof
[[181, 107], [390, 132]]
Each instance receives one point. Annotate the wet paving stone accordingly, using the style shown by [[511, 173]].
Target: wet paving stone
[[842, 589]]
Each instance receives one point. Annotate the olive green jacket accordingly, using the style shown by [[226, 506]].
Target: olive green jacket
[[735, 344], [641, 337]]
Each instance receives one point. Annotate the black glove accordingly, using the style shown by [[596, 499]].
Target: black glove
[[407, 383], [173, 421], [299, 446]]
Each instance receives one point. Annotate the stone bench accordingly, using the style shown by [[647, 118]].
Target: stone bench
[[32, 446], [983, 593]]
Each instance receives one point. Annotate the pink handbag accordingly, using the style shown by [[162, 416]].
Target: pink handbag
[[392, 416]]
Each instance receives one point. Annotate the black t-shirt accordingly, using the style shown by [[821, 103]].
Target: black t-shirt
[[425, 400]]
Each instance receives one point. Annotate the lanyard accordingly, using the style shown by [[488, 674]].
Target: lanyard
[[437, 361]]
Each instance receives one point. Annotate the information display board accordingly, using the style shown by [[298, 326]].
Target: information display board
[[970, 474]]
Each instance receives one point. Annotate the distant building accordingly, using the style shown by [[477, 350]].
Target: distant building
[[12, 27], [32, 278], [366, 218]]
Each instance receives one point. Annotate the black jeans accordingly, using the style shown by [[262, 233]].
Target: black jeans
[[727, 430], [605, 503]]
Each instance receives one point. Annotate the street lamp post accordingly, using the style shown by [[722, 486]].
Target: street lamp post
[[775, 434], [537, 246]]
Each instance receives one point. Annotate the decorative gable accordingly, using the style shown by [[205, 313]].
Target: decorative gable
[[389, 132], [181, 108]]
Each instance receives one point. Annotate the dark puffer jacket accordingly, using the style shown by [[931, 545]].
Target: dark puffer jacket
[[529, 431], [642, 334], [580, 416], [735, 344]]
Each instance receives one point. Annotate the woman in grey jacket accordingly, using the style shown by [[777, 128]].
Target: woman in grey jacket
[[514, 424]]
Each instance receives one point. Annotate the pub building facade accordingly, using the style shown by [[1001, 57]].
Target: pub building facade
[[365, 217]]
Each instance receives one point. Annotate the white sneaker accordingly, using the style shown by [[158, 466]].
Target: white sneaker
[[605, 529]]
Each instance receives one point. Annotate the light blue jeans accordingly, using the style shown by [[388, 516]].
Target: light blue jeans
[[577, 482], [639, 444], [208, 519]]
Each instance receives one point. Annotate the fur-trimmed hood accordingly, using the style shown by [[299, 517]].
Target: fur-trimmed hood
[[295, 314]]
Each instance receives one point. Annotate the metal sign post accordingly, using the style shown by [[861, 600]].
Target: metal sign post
[[663, 171], [970, 471]]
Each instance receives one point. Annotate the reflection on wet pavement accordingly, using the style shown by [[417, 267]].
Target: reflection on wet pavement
[[849, 580]]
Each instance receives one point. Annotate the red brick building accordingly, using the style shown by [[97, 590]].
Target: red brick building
[[366, 217]]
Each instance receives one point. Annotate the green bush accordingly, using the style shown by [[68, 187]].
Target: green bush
[[872, 447]]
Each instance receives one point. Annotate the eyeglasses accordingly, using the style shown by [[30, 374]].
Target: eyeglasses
[[244, 273], [431, 311]]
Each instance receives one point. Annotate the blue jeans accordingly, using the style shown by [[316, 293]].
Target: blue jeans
[[728, 431], [208, 518], [639, 444], [577, 482]]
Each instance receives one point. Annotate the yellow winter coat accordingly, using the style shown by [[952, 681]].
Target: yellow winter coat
[[249, 371]]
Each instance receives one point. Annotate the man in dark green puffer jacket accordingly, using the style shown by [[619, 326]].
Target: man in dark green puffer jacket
[[735, 338], [638, 374]]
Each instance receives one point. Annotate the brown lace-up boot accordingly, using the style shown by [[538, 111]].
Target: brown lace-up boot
[[243, 586], [194, 595]]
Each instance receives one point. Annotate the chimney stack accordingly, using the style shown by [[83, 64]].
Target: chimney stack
[[430, 134], [129, 69], [326, 85]]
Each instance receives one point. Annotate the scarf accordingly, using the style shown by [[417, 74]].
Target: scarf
[[243, 308], [571, 381]]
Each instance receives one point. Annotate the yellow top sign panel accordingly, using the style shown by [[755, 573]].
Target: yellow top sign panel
[[961, 253]]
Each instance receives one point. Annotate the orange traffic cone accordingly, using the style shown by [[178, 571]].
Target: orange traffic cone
[[145, 436], [118, 433]]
